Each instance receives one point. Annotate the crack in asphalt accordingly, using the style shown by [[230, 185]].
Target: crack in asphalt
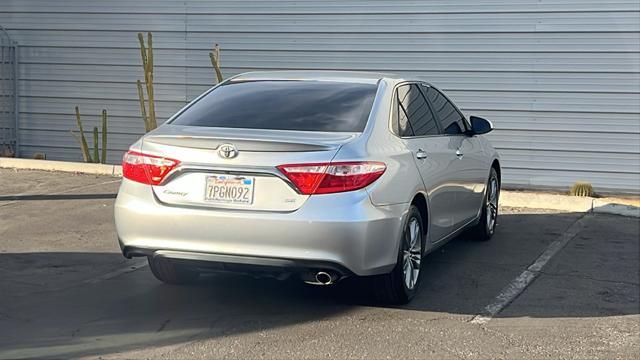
[[163, 325]]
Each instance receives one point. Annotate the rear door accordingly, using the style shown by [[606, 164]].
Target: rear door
[[415, 123], [469, 170], [230, 141]]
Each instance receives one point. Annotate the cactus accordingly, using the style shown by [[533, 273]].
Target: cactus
[[143, 109], [84, 147], [96, 152], [103, 158], [215, 62], [583, 189], [146, 55]]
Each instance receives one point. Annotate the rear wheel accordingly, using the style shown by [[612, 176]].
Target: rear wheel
[[486, 227], [401, 284], [169, 272]]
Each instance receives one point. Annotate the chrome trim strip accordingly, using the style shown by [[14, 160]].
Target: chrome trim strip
[[185, 168]]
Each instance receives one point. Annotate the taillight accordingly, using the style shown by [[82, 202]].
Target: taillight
[[146, 169], [326, 178]]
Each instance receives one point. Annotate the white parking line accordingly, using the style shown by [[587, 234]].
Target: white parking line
[[520, 283]]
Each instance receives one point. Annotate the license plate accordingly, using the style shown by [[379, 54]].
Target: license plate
[[229, 189]]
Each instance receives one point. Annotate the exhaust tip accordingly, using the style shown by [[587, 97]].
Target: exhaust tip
[[324, 278]]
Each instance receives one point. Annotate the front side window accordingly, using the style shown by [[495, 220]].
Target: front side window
[[414, 116], [451, 122], [302, 105]]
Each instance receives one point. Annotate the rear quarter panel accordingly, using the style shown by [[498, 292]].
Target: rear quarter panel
[[401, 180]]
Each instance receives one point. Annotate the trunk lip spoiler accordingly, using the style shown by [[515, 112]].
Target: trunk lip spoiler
[[255, 143]]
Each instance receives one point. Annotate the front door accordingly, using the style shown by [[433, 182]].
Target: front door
[[470, 174], [469, 170]]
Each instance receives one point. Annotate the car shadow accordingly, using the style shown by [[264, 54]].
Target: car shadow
[[76, 304]]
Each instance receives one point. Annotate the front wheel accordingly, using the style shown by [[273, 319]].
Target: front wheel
[[401, 284], [486, 226]]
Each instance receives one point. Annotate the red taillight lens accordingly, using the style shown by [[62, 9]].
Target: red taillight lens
[[327, 178], [146, 169]]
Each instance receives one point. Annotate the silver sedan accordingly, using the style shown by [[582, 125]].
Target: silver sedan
[[320, 175]]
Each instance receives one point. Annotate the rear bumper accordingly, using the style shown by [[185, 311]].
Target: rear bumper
[[343, 232], [241, 263]]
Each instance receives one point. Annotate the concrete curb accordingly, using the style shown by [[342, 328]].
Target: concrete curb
[[565, 203], [86, 168], [518, 199], [545, 201]]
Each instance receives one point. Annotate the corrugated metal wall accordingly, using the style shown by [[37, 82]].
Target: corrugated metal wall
[[560, 79]]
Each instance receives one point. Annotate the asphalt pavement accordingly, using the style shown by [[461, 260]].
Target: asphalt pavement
[[66, 291]]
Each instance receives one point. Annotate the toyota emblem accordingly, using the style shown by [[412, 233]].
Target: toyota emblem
[[227, 151]]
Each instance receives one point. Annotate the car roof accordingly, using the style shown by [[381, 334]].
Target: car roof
[[319, 75]]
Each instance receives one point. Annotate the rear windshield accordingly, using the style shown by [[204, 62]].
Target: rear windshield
[[284, 105]]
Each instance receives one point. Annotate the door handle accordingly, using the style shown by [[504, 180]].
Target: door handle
[[459, 154], [421, 154]]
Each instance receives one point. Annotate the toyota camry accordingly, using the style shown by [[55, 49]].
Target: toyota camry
[[317, 175]]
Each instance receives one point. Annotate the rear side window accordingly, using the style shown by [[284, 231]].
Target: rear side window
[[451, 122], [284, 105], [414, 116]]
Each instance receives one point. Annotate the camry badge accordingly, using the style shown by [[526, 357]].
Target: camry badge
[[227, 151]]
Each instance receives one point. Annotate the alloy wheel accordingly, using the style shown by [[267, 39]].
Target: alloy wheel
[[412, 253], [492, 204]]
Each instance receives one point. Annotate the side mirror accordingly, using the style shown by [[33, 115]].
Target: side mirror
[[480, 126]]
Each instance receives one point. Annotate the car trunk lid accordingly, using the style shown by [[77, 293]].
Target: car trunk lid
[[246, 179]]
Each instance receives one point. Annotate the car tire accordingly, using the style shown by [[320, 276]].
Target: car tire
[[169, 272], [393, 288], [486, 226]]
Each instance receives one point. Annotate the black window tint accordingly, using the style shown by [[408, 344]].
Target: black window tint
[[403, 127], [451, 122], [284, 105], [416, 112]]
